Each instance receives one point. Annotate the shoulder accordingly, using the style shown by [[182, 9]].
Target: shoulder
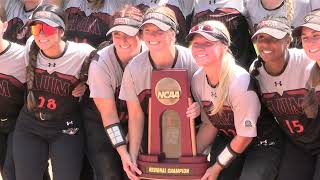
[[240, 81], [80, 48], [139, 61], [184, 53], [299, 58]]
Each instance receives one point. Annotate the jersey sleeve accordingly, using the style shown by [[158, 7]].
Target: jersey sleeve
[[127, 90], [246, 108], [99, 82]]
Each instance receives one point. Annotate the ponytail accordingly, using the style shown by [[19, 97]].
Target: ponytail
[[33, 54], [257, 64], [226, 75], [290, 10]]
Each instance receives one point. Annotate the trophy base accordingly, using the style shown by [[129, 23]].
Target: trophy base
[[156, 167]]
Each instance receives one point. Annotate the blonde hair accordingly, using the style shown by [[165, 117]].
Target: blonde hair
[[226, 75], [290, 10]]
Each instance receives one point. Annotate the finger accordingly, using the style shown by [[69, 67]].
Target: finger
[[136, 169], [129, 173], [205, 176]]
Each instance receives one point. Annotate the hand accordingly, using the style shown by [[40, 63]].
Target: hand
[[193, 110], [130, 167], [79, 90], [212, 173]]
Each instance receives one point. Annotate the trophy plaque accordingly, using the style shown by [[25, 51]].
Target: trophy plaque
[[171, 134]]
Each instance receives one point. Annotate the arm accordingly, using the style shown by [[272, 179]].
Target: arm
[[206, 134], [136, 126]]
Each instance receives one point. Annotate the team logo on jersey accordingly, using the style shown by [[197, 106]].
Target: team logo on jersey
[[70, 131], [248, 124], [52, 64], [168, 91], [277, 83], [214, 94], [69, 123]]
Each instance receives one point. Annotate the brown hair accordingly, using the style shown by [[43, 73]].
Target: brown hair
[[129, 11], [33, 54]]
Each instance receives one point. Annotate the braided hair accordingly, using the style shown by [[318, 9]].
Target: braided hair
[[310, 104], [290, 10], [33, 56]]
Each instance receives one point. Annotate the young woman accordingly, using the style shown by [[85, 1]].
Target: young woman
[[48, 125], [105, 77], [17, 14], [231, 109], [182, 9], [294, 10], [12, 79], [282, 74], [159, 33], [232, 13]]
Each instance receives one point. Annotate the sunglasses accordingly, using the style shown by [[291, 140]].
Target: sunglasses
[[45, 28], [201, 27]]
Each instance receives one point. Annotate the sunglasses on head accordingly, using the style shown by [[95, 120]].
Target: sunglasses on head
[[45, 28], [201, 27]]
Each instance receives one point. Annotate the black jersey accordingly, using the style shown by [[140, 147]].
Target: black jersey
[[88, 25], [12, 79], [56, 78]]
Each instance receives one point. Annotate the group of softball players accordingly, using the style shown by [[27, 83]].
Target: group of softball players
[[75, 83]]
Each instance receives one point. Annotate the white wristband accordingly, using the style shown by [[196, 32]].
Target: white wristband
[[226, 156]]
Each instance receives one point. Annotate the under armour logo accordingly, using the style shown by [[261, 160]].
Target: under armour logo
[[69, 123], [213, 94], [277, 83], [210, 2], [52, 64]]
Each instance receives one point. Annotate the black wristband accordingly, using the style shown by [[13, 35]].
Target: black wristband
[[115, 134]]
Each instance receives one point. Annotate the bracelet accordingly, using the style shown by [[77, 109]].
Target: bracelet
[[226, 156], [115, 134]]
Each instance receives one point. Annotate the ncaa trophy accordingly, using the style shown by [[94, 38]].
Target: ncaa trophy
[[171, 142]]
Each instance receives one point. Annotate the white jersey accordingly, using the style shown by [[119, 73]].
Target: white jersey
[[241, 108], [56, 78], [315, 4], [12, 79], [105, 76], [136, 82], [256, 12], [284, 94], [212, 5]]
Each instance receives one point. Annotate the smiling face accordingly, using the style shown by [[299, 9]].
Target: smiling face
[[156, 39], [125, 44], [311, 42], [207, 53], [272, 49], [46, 37]]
